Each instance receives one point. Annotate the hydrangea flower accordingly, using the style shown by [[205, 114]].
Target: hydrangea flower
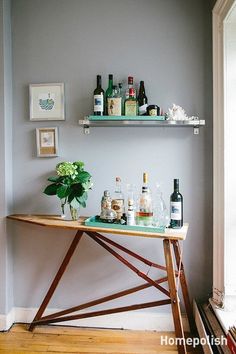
[[71, 185], [66, 169]]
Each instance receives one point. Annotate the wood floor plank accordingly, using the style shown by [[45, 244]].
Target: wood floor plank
[[66, 340]]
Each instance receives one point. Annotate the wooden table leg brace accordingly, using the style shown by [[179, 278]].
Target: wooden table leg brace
[[172, 295]]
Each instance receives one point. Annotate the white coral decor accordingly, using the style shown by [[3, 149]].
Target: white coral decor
[[178, 113]]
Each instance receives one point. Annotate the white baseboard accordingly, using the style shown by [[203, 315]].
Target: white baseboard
[[136, 320], [6, 321]]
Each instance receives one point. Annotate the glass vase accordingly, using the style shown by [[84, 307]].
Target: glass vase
[[69, 213]]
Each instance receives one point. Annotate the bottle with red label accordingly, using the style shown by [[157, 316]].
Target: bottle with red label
[[131, 104], [130, 85]]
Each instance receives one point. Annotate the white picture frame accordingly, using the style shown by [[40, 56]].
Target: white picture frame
[[47, 142], [46, 102]]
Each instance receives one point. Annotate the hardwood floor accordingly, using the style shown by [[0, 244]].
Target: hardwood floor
[[58, 339]]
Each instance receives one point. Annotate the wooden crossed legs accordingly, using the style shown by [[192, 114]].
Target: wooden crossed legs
[[172, 294]]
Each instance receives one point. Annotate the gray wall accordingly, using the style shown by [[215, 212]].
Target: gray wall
[[6, 294], [168, 45]]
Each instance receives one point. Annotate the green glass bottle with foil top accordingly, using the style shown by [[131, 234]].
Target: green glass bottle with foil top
[[114, 103], [131, 104]]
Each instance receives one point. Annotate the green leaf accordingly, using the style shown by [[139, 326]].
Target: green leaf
[[83, 197], [63, 191], [51, 189], [54, 179], [77, 190], [83, 204], [75, 204], [79, 165], [83, 177]]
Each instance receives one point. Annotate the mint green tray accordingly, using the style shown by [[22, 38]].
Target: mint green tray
[[120, 118], [94, 222]]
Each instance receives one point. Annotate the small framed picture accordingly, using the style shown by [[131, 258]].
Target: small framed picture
[[46, 102], [47, 142]]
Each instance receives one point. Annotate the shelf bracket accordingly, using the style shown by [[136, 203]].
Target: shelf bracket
[[196, 130], [86, 130]]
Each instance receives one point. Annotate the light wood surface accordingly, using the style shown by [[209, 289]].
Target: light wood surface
[[55, 221], [58, 339]]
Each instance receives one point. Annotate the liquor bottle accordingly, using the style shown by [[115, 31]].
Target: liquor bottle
[[142, 99], [130, 216], [107, 213], [118, 200], [130, 85], [109, 89], [144, 213], [131, 104], [176, 207], [121, 94], [98, 98], [114, 103]]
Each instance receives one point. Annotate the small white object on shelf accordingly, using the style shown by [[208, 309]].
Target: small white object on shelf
[[178, 113]]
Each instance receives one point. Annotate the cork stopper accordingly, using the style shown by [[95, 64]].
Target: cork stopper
[[145, 177]]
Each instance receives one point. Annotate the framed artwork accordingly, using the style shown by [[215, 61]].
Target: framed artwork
[[47, 142], [46, 102]]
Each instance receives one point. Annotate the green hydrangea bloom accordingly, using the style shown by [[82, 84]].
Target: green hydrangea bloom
[[66, 169]]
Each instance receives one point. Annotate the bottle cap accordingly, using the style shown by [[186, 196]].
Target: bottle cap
[[114, 87], [130, 80], [120, 85], [131, 92], [110, 76], [130, 202], [106, 194], [118, 179]]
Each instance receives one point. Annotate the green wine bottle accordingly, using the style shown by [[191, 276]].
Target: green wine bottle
[[176, 207], [109, 91]]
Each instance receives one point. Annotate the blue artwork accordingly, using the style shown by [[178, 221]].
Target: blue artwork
[[47, 104]]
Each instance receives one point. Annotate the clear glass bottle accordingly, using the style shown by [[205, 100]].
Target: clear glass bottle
[[131, 104], [144, 213], [118, 200], [107, 213], [130, 215], [114, 103], [130, 85], [121, 94], [160, 212]]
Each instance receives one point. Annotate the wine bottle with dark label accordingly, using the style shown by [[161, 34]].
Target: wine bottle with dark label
[[98, 98], [176, 207], [142, 99]]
